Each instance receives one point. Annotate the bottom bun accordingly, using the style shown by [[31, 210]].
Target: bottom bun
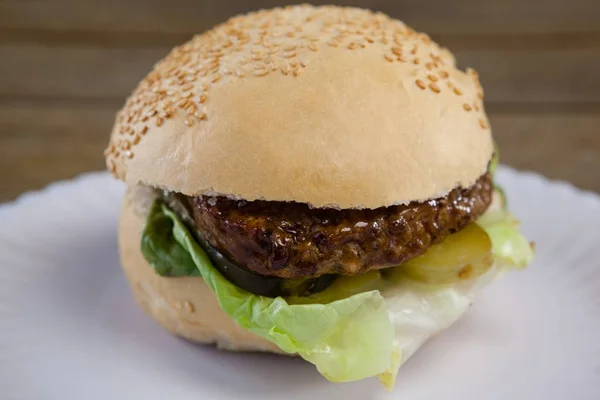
[[184, 306]]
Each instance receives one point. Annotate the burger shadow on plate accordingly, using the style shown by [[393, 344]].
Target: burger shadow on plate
[[272, 374]]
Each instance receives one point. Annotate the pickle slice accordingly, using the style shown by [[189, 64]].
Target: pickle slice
[[343, 287], [464, 255]]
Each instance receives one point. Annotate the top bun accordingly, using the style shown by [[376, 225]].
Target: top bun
[[330, 106]]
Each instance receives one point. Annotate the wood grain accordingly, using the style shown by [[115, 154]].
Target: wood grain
[[111, 73], [191, 16], [560, 146], [41, 144]]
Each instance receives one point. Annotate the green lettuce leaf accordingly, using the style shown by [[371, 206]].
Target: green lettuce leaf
[[161, 250], [495, 160], [348, 339], [508, 244]]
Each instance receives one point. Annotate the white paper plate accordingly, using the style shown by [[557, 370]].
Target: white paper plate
[[69, 328]]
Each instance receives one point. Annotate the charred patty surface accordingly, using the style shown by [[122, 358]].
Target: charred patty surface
[[292, 240]]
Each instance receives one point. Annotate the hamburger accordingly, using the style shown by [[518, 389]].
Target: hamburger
[[311, 181]]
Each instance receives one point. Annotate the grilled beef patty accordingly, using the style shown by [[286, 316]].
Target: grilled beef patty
[[292, 240]]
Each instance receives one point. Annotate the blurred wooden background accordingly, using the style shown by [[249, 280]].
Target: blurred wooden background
[[67, 65]]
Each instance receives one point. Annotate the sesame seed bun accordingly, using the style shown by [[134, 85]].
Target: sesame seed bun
[[330, 106], [184, 306]]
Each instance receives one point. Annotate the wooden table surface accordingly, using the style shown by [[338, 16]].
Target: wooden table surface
[[67, 65]]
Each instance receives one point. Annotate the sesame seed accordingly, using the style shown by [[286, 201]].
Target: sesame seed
[[189, 121], [432, 78], [389, 57], [129, 154], [434, 87], [136, 139], [158, 121], [289, 48], [261, 72], [397, 51], [467, 107], [190, 109], [482, 123], [476, 106], [215, 78], [416, 61], [289, 54], [420, 84], [443, 74], [312, 47], [143, 130], [457, 91], [297, 71]]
